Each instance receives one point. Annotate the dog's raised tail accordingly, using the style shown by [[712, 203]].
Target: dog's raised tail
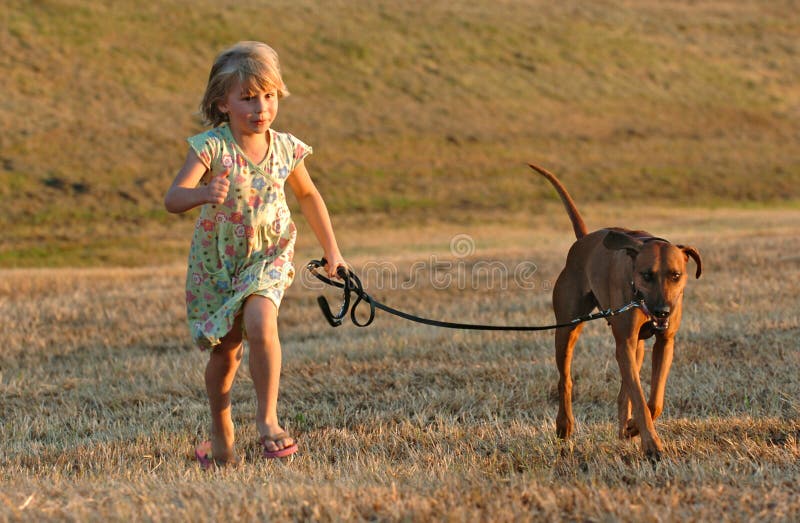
[[572, 211]]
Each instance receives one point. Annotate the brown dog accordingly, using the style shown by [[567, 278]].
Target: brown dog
[[609, 268]]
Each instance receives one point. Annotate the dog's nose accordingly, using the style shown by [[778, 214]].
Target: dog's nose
[[661, 312]]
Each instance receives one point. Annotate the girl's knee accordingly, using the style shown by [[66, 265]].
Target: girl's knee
[[261, 320], [261, 334], [229, 349]]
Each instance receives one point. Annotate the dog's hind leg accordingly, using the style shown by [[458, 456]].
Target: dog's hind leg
[[565, 345], [569, 302]]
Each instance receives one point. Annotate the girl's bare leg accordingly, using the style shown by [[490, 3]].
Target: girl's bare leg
[[261, 325], [220, 373]]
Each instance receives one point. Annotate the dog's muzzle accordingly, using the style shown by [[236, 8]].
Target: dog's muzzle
[[659, 317]]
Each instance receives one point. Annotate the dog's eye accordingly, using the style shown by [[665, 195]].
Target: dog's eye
[[648, 276], [675, 276]]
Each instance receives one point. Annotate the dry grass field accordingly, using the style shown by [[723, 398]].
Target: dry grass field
[[102, 396]]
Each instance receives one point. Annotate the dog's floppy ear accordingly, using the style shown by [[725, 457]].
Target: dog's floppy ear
[[616, 240], [694, 254]]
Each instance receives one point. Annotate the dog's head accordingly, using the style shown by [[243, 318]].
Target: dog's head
[[659, 272]]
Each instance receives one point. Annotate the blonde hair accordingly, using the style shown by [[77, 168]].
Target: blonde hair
[[254, 64]]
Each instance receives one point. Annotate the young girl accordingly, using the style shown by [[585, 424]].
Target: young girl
[[240, 261]]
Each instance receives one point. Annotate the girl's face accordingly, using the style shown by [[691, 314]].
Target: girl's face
[[250, 112]]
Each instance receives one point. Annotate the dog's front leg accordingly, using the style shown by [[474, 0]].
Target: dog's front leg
[[662, 361], [626, 358], [627, 426]]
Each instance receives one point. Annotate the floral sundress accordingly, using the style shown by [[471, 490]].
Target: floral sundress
[[245, 245]]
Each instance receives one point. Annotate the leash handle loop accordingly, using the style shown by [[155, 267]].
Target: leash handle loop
[[351, 284], [334, 319], [361, 296]]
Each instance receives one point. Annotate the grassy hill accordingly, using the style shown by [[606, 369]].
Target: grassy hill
[[416, 111]]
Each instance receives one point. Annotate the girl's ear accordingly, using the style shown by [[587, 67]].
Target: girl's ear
[[222, 104]]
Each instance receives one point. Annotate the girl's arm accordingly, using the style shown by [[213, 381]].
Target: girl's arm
[[313, 207], [184, 194]]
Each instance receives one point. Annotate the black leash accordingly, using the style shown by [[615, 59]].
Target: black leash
[[351, 284]]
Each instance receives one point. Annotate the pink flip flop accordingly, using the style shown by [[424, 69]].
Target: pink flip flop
[[282, 453], [202, 454]]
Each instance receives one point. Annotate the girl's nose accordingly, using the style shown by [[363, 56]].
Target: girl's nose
[[261, 106]]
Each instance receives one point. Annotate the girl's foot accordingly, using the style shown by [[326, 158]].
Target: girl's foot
[[275, 442], [204, 454], [221, 447]]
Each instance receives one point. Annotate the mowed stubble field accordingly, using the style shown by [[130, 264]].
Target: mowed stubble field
[[103, 395]]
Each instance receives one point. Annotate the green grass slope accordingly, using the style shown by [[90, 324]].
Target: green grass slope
[[415, 110]]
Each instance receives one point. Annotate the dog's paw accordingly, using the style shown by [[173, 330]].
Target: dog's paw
[[564, 427], [653, 456], [653, 449], [629, 430]]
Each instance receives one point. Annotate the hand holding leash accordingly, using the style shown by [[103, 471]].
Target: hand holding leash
[[351, 284]]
